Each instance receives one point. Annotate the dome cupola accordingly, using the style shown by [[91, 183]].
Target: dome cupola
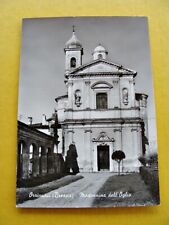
[[73, 42], [73, 52], [100, 52]]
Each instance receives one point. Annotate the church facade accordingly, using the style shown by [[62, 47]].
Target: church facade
[[101, 113]]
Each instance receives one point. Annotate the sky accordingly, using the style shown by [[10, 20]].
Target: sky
[[43, 58]]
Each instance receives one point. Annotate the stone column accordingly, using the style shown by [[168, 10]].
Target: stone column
[[25, 161], [118, 146], [87, 94], [134, 138], [94, 157], [19, 160], [35, 166], [88, 151], [95, 166], [116, 92], [139, 139], [70, 136], [67, 140], [135, 162], [50, 162], [118, 139], [43, 161], [70, 94], [131, 81], [110, 156]]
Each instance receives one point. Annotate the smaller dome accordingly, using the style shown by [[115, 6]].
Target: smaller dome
[[100, 49], [73, 42], [99, 52]]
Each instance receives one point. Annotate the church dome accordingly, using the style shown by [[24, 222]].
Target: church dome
[[99, 52], [73, 42], [100, 49]]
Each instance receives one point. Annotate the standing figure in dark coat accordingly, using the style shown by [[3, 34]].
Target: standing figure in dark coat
[[71, 160]]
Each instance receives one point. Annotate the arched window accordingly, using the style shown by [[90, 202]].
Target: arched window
[[101, 101], [73, 62]]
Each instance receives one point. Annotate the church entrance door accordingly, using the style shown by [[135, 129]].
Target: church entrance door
[[103, 158]]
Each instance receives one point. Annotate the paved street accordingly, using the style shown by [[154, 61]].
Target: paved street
[[77, 194]]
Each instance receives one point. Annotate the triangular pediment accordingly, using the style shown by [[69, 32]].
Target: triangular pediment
[[101, 66]]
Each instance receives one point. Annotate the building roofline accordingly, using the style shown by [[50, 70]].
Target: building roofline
[[33, 129], [102, 74], [60, 97], [100, 121], [141, 94], [93, 62]]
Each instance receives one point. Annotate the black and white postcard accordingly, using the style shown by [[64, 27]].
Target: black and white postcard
[[86, 114]]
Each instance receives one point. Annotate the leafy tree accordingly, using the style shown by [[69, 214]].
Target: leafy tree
[[118, 156]]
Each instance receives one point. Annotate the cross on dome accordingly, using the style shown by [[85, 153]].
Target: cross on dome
[[73, 42]]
